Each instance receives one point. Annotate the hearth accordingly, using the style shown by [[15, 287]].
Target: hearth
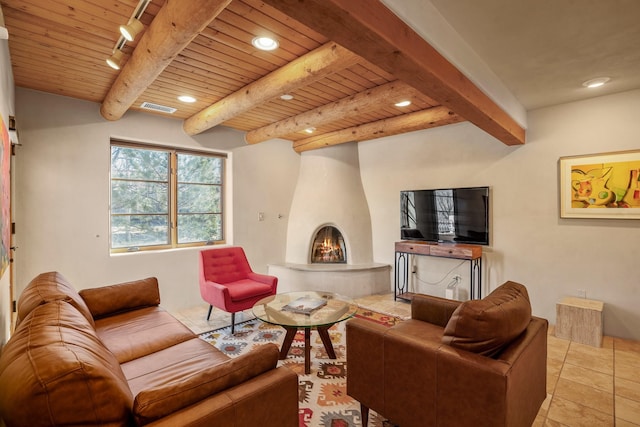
[[329, 242], [328, 247]]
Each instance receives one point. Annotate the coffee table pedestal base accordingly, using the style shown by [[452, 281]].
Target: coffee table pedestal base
[[323, 331]]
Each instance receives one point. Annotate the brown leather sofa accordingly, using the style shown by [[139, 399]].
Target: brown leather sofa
[[112, 356], [476, 363]]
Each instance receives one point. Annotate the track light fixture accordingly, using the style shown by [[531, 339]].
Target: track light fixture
[[131, 30], [115, 60], [128, 33]]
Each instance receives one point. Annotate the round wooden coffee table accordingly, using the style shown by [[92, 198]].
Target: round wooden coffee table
[[305, 310]]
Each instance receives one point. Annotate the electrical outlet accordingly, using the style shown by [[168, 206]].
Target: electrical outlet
[[582, 293], [261, 216]]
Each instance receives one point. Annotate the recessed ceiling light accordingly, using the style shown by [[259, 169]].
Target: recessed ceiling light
[[310, 130], [596, 82], [264, 43], [286, 97], [187, 98], [403, 103]]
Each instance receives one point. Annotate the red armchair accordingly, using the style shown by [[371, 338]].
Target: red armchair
[[228, 283]]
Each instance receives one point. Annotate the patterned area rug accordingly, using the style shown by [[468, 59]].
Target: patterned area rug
[[323, 399]]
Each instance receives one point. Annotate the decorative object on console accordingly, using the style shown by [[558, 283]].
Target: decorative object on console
[[605, 185]]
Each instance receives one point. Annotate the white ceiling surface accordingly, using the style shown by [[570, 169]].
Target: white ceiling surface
[[541, 50]]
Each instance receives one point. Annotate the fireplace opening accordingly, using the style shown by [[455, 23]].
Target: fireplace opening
[[328, 247]]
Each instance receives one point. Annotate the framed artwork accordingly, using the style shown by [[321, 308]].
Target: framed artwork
[[603, 185]]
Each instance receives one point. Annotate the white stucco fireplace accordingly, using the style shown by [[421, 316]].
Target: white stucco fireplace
[[329, 194]]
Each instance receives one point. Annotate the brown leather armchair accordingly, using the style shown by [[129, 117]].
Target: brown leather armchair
[[473, 363]]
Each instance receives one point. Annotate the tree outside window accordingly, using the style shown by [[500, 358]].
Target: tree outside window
[[164, 198]]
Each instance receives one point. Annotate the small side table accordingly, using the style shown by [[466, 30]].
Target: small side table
[[580, 320]]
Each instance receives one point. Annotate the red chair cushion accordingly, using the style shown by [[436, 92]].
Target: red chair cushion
[[247, 288]]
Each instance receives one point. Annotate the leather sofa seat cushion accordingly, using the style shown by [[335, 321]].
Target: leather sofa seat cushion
[[134, 334], [47, 287], [486, 326], [54, 362], [193, 379], [108, 300]]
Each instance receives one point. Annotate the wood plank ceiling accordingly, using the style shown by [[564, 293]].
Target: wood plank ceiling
[[345, 62]]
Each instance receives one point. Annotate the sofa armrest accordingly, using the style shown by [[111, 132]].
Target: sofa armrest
[[157, 402], [251, 403], [507, 390], [108, 300], [433, 309]]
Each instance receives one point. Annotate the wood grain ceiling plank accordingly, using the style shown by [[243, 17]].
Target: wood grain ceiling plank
[[311, 67], [61, 84], [181, 83], [173, 28], [279, 22], [117, 9], [346, 107], [433, 117], [379, 36], [87, 95], [352, 74], [340, 82], [59, 58], [233, 56], [267, 60], [319, 94], [373, 73], [55, 45], [57, 80], [61, 14], [210, 73], [22, 24], [221, 63], [23, 65], [242, 32]]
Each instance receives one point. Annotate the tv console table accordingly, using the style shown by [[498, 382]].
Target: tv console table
[[472, 253]]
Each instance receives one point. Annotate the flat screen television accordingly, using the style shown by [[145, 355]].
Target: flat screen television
[[456, 215]]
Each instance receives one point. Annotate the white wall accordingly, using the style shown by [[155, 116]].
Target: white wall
[[264, 182], [531, 244], [63, 186]]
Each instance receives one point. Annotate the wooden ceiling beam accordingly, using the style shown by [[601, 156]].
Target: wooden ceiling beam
[[370, 99], [315, 65], [369, 29], [425, 119], [174, 27]]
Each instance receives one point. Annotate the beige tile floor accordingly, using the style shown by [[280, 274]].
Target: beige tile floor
[[586, 386]]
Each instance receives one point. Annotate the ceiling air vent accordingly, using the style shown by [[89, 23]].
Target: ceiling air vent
[[157, 107]]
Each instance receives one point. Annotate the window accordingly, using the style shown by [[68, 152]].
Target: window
[[163, 198]]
